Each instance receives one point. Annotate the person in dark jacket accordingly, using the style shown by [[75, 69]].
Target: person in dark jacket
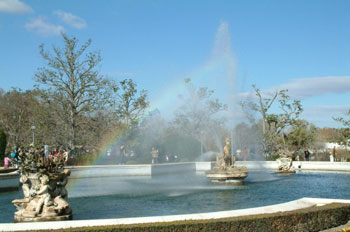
[[307, 154]]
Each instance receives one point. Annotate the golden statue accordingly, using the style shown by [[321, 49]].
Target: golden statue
[[227, 154], [224, 170]]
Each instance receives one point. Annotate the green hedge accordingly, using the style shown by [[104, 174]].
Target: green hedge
[[309, 219], [2, 146]]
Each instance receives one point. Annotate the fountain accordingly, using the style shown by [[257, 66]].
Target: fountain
[[224, 170], [136, 191], [43, 184]]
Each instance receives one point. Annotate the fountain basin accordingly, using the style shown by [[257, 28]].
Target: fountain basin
[[9, 181], [118, 195], [302, 203]]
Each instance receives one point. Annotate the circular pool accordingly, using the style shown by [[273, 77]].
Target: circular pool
[[120, 197]]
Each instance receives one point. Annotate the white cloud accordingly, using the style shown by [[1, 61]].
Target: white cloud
[[326, 110], [70, 19], [308, 87], [14, 6], [39, 26], [322, 116], [303, 88]]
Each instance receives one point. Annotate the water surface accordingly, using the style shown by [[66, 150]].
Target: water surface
[[120, 197]]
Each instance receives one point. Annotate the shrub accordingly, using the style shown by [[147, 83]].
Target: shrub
[[309, 219], [2, 145]]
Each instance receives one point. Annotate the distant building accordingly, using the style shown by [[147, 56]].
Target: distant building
[[329, 146]]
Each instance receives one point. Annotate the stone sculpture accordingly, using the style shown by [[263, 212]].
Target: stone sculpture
[[45, 195], [285, 162], [227, 154], [285, 165], [224, 170]]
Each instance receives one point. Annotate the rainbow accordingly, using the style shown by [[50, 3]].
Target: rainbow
[[203, 74]]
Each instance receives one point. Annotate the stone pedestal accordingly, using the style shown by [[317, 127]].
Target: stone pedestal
[[285, 172], [45, 198], [229, 175], [224, 171], [285, 166]]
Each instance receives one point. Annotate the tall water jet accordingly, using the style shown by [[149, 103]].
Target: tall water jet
[[219, 72]]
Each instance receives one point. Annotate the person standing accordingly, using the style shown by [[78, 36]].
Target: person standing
[[122, 154], [245, 154], [155, 155], [13, 159], [42, 155], [16, 157], [307, 154], [334, 154], [7, 161], [299, 155], [65, 156]]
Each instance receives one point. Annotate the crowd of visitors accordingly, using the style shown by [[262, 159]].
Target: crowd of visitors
[[43, 156]]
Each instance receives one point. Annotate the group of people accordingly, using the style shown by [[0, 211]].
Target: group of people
[[303, 155], [53, 159], [56, 154], [12, 159], [156, 158]]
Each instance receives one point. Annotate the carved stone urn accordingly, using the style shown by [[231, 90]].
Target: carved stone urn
[[45, 195]]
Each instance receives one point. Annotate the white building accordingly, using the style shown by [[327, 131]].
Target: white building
[[337, 146]]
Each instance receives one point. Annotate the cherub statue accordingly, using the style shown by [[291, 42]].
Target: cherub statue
[[61, 185], [61, 199], [25, 187], [43, 193]]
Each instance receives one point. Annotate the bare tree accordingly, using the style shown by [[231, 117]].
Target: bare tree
[[73, 82], [17, 111]]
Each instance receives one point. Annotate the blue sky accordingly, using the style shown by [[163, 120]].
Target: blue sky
[[303, 46]]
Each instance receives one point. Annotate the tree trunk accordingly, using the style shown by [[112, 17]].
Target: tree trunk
[[72, 133]]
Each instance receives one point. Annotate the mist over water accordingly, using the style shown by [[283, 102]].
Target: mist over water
[[218, 73], [128, 186], [209, 155], [225, 73], [222, 51]]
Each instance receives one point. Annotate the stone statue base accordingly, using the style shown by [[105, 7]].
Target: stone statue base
[[59, 211], [285, 166], [285, 172], [42, 218], [228, 175], [45, 197]]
